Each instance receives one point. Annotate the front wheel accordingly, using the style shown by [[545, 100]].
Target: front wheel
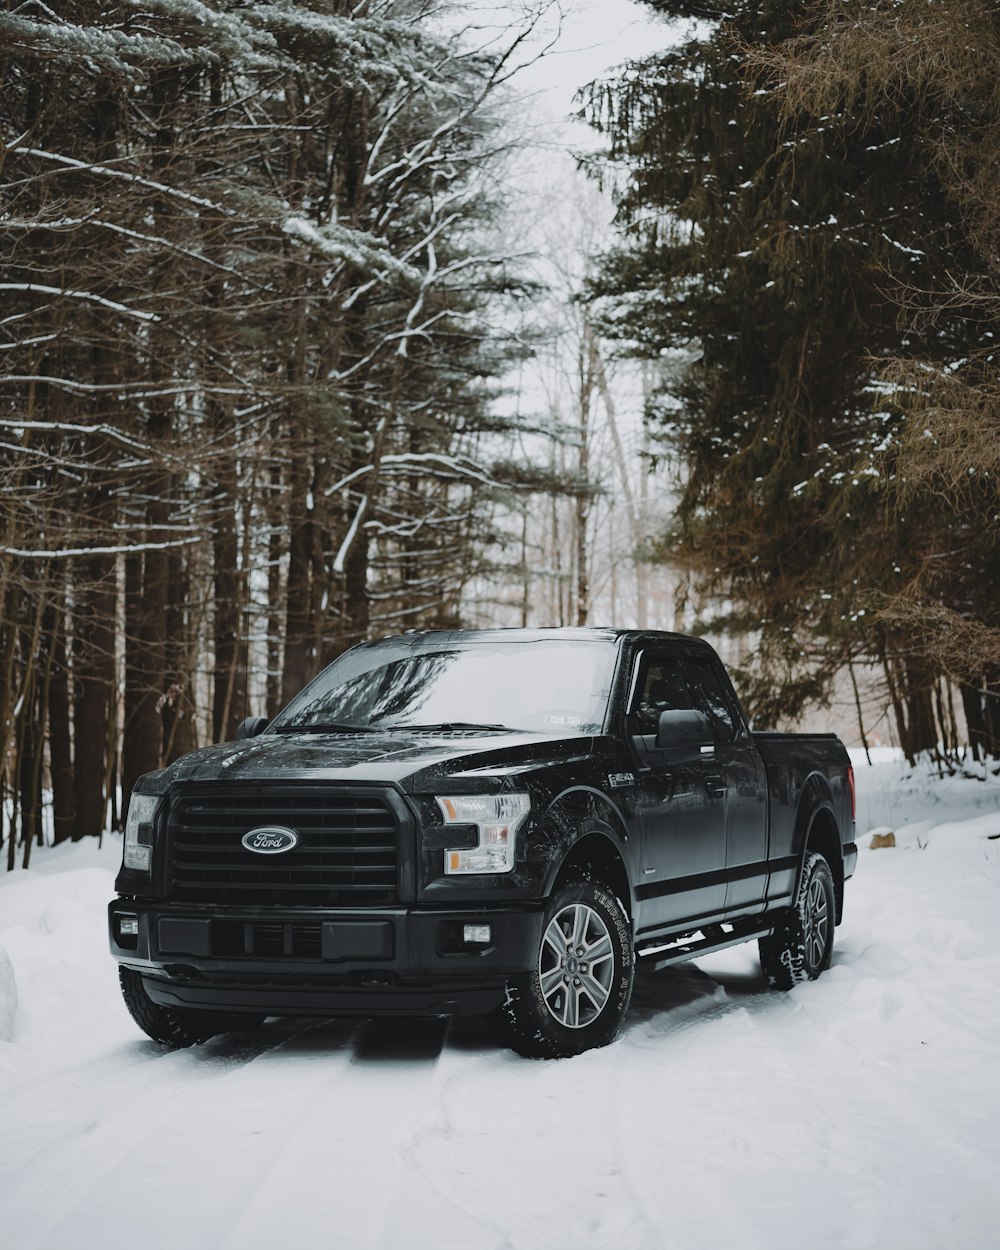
[[176, 1026], [800, 947], [576, 996]]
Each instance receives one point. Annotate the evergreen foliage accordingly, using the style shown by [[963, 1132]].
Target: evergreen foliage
[[804, 192]]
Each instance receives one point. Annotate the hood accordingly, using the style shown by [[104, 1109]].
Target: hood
[[414, 761]]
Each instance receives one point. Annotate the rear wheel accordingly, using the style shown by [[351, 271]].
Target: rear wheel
[[576, 996], [177, 1026], [800, 947]]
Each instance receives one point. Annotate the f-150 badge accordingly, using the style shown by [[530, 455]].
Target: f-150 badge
[[617, 780]]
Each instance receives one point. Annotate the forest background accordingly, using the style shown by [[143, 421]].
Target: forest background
[[268, 307]]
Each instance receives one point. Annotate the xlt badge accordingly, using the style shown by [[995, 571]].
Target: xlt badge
[[270, 840]]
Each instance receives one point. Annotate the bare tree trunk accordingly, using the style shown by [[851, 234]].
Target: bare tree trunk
[[857, 705], [145, 652], [981, 705], [60, 739], [634, 509], [910, 686], [582, 502], [556, 555], [29, 766], [228, 679], [525, 572], [177, 716], [8, 739], [274, 594], [93, 679], [43, 649], [296, 669], [147, 575], [358, 608]]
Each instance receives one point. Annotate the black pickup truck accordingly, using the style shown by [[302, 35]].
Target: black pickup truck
[[495, 822]]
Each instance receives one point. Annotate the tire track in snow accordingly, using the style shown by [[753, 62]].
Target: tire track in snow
[[340, 1169], [476, 1117], [769, 1105], [758, 1135], [518, 1156], [727, 1130], [570, 1174], [107, 1149], [661, 1099], [129, 1068]]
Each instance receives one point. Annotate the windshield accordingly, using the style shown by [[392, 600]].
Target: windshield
[[545, 686]]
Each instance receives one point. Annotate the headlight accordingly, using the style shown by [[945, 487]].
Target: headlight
[[139, 832], [497, 818]]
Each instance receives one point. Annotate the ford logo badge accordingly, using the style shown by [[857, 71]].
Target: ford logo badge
[[270, 840]]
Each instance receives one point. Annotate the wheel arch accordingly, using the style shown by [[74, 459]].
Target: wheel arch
[[593, 840], [817, 830]]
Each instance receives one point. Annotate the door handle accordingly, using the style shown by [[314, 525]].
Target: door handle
[[715, 785]]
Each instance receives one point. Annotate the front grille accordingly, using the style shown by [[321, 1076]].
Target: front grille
[[347, 852]]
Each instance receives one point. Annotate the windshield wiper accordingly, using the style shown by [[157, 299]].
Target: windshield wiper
[[324, 727], [446, 725]]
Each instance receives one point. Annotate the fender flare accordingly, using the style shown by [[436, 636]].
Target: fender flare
[[816, 806], [576, 814]]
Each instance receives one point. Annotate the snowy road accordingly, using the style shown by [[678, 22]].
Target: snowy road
[[860, 1110]]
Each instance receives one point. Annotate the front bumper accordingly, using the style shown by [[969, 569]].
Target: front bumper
[[391, 961]]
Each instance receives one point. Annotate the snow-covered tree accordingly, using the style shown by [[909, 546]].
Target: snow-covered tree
[[248, 282]]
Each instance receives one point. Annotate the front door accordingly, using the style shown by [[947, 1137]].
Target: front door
[[682, 873]]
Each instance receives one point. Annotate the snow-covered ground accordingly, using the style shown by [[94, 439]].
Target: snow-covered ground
[[862, 1110]]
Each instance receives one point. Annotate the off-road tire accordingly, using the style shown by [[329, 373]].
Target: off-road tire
[[176, 1026], [576, 996], [799, 949]]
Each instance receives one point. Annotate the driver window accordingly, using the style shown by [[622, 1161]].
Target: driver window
[[661, 688]]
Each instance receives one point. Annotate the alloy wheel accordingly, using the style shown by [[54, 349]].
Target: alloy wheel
[[817, 923], [576, 965]]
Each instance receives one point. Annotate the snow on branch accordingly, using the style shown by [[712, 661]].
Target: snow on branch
[[135, 390], [107, 172], [111, 49], [134, 445], [457, 467], [33, 287], [345, 546], [66, 553], [356, 247], [97, 46], [91, 219]]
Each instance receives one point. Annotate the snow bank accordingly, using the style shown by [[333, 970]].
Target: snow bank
[[54, 929], [8, 995], [892, 795]]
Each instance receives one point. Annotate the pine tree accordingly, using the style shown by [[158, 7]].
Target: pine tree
[[778, 220]]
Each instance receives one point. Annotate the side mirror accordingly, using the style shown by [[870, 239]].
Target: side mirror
[[251, 727], [685, 734]]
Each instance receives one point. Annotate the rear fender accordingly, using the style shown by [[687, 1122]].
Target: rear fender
[[816, 829]]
